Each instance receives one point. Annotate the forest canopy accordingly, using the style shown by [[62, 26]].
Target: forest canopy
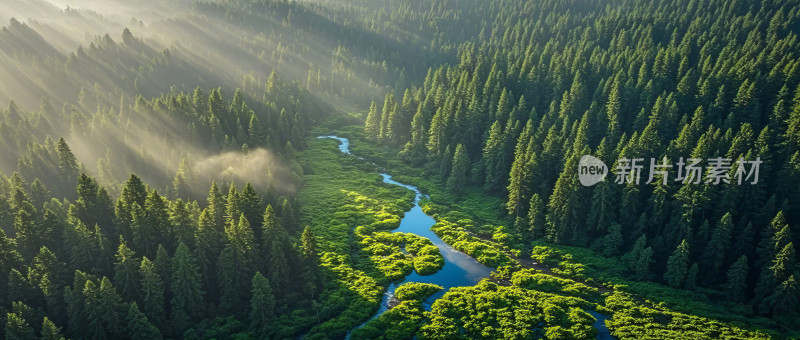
[[161, 175]]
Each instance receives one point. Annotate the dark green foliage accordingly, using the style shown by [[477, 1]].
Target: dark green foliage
[[152, 293], [527, 103], [262, 305], [185, 286], [126, 273], [137, 326], [737, 279], [50, 331], [458, 173], [678, 266], [495, 101]]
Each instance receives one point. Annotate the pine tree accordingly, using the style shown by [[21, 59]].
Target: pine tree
[[773, 283], [81, 243], [236, 264], [274, 248], [372, 126], [309, 244], [208, 248], [29, 232], [233, 208], [50, 331], [252, 206], [536, 217], [47, 274], [137, 325], [102, 309], [126, 272], [215, 104], [163, 266], [394, 128], [521, 173], [717, 247], [217, 206], [76, 311], [564, 208], [94, 206], [17, 328], [643, 262], [134, 193], [262, 305], [256, 134], [386, 113], [492, 153], [458, 174], [183, 225], [185, 285], [437, 134], [737, 280], [152, 293], [678, 265], [613, 240], [67, 164], [155, 227], [785, 298], [415, 150], [633, 256]]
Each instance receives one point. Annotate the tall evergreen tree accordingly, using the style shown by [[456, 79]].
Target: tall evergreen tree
[[736, 285], [719, 244], [186, 288], [458, 174], [126, 272], [50, 331], [678, 265], [262, 306], [137, 325], [152, 293]]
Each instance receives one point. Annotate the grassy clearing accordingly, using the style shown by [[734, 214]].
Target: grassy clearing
[[350, 209], [467, 221]]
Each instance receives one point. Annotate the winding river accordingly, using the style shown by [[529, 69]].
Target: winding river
[[459, 269]]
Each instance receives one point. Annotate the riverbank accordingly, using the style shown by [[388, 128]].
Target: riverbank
[[366, 192], [685, 309]]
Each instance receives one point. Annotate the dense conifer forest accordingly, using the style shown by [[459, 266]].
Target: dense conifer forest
[[161, 175]]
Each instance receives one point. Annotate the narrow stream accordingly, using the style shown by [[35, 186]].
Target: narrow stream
[[459, 269]]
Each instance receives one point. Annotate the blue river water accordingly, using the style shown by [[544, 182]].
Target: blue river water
[[459, 269]]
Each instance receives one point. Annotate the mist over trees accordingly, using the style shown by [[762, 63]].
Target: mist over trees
[[160, 178]]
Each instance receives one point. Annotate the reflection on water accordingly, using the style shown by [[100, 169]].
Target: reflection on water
[[459, 270]]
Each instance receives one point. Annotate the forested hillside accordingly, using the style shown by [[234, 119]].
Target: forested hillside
[[161, 175], [544, 84]]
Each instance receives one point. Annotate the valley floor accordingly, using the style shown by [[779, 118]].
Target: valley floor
[[537, 290]]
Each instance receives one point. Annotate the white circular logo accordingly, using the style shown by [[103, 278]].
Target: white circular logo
[[591, 170]]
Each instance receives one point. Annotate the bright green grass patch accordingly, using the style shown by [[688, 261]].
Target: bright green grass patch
[[490, 311], [400, 322], [634, 321], [348, 206], [342, 193], [485, 252], [415, 291], [533, 279]]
